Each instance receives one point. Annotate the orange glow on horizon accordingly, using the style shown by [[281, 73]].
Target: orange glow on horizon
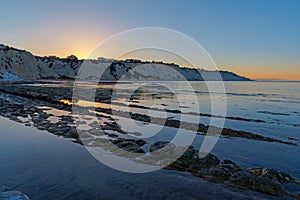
[[274, 76], [265, 74]]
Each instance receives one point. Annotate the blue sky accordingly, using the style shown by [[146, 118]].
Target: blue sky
[[256, 38]]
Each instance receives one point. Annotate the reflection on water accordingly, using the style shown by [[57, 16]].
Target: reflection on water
[[84, 103]]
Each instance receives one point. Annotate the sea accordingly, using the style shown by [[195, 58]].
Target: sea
[[46, 166]]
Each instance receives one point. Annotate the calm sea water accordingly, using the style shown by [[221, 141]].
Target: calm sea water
[[48, 167], [276, 103]]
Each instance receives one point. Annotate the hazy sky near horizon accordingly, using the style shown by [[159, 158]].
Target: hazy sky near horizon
[[255, 38]]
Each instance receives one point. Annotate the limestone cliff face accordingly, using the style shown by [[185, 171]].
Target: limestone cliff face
[[20, 64], [29, 67]]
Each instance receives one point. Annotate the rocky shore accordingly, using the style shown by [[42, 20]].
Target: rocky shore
[[60, 98], [212, 169], [43, 108]]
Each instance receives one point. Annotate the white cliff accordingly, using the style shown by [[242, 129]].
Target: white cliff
[[19, 65]]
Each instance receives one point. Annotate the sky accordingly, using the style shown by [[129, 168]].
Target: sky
[[254, 38]]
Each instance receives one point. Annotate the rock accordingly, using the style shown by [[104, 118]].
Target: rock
[[219, 175], [140, 142], [190, 154], [128, 145], [189, 161], [166, 150], [230, 166], [113, 126], [208, 161], [257, 183], [84, 134], [158, 145], [99, 142], [140, 117], [112, 135], [195, 169], [206, 167], [70, 133], [179, 165], [96, 132], [279, 176]]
